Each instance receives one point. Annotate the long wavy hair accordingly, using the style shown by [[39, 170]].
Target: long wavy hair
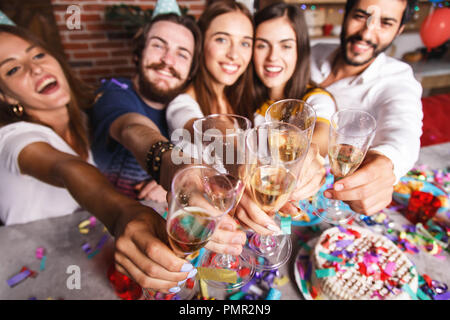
[[81, 96], [257, 93], [202, 83]]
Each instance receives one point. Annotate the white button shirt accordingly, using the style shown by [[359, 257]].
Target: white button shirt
[[387, 90]]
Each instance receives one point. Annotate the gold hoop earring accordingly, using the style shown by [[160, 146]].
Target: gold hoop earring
[[17, 110]]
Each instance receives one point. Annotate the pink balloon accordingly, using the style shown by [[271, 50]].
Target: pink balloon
[[435, 29]]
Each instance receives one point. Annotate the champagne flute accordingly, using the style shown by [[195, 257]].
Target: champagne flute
[[351, 133], [276, 156], [200, 197], [302, 115], [221, 139]]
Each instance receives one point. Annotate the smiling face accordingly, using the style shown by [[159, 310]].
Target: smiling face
[[275, 54], [166, 61], [369, 29], [31, 77], [228, 47]]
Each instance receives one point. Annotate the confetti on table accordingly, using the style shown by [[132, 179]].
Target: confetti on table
[[322, 273], [222, 275], [18, 278], [42, 266], [40, 252]]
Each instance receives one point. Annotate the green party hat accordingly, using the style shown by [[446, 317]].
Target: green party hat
[[165, 7], [5, 20]]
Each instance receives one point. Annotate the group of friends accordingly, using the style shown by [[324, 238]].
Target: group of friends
[[65, 145]]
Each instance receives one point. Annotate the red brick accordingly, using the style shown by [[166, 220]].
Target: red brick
[[120, 53], [112, 62], [125, 70], [108, 45], [75, 46], [93, 7], [94, 71], [90, 54], [91, 17], [87, 36], [103, 27]]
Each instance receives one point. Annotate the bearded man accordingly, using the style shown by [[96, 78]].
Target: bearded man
[[361, 76], [129, 113]]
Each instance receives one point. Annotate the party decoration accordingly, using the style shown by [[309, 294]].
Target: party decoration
[[165, 7], [5, 20], [435, 29]]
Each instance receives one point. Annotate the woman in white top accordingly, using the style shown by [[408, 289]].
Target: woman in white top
[[47, 170]]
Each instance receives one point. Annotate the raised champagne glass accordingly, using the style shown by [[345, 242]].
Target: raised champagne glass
[[276, 153], [200, 197], [302, 115], [221, 140], [351, 133]]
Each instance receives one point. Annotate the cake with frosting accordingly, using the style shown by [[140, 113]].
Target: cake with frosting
[[353, 263]]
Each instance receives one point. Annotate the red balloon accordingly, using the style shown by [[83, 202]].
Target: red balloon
[[435, 29]]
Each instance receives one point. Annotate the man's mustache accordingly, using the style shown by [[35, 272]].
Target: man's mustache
[[357, 37], [162, 65]]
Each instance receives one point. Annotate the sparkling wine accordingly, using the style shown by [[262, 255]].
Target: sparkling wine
[[286, 147], [238, 189], [271, 187], [189, 230], [344, 159]]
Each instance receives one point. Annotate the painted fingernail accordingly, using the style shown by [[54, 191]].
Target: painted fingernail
[[327, 194], [186, 267], [180, 283], [338, 187], [192, 273], [272, 227], [174, 289], [237, 240]]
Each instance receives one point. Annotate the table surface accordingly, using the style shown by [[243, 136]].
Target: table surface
[[63, 248]]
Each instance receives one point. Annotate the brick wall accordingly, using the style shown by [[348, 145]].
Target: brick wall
[[102, 49]]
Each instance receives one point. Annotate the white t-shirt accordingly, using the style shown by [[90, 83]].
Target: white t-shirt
[[24, 198], [387, 90], [179, 111]]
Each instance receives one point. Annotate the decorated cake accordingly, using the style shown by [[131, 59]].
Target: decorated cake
[[353, 263]]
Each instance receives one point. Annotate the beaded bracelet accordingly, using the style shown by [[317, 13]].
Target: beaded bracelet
[[154, 156]]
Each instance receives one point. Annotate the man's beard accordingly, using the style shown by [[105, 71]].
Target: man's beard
[[344, 42], [151, 92]]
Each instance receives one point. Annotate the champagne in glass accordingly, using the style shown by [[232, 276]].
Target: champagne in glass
[[351, 133], [222, 145], [271, 187], [302, 115], [344, 159], [275, 160]]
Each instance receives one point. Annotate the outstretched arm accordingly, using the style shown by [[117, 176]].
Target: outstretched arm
[[141, 240]]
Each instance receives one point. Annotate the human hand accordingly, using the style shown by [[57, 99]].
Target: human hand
[[251, 216], [312, 175], [143, 254], [369, 189], [227, 238], [150, 190]]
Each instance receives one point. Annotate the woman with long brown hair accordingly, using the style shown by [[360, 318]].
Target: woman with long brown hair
[[218, 87], [280, 62]]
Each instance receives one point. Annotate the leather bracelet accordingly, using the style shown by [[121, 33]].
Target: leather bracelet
[[154, 156]]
